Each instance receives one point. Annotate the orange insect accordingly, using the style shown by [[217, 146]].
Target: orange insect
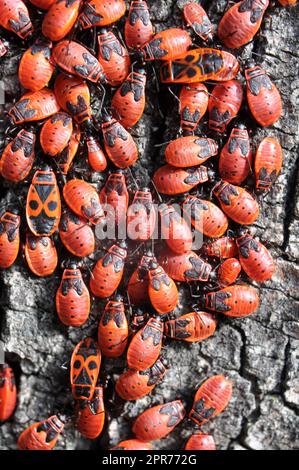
[[18, 156], [60, 19], [73, 96], [141, 216], [233, 301], [267, 163], [43, 207], [190, 151], [255, 259], [138, 27], [191, 327], [205, 217], [224, 104], [162, 291], [196, 17], [236, 156], [72, 298], [108, 271], [91, 415], [241, 22], [224, 247], [8, 392], [264, 99], [194, 100], [9, 237], [138, 283], [56, 133], [145, 346], [76, 235], [34, 106], [200, 441], [133, 444], [228, 272], [186, 267], [129, 100], [158, 421], [200, 65], [165, 45], [83, 199], [42, 435], [113, 330], [85, 368], [113, 57], [211, 399], [96, 157], [175, 230], [43, 4], [171, 180], [114, 198], [41, 255], [14, 17], [101, 12], [65, 158], [287, 3], [35, 68]]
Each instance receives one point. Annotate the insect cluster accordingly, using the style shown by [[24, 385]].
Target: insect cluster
[[74, 55]]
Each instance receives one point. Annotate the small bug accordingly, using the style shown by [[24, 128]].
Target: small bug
[[224, 104], [255, 259], [141, 216], [85, 368], [42, 435], [75, 59], [196, 17], [175, 230], [133, 444], [83, 199], [158, 421], [9, 237], [145, 346], [241, 22], [76, 235], [133, 385], [190, 151], [191, 327], [18, 156], [113, 329], [138, 282], [236, 156], [237, 203], [224, 247], [267, 163], [129, 100], [186, 267], [119, 144], [73, 96], [233, 301], [138, 27], [60, 19], [56, 133], [3, 49], [14, 17], [200, 65], [41, 255], [35, 68], [194, 99], [200, 441], [113, 57], [162, 291], [91, 415], [228, 272], [114, 198], [108, 271], [43, 207], [72, 298], [171, 180], [65, 158], [34, 106], [205, 217], [211, 399], [8, 392], [96, 157], [165, 45], [263, 97], [101, 12], [43, 4]]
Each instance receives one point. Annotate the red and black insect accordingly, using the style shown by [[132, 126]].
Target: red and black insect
[[101, 12], [72, 298], [43, 207], [234, 301], [205, 217], [190, 151], [237, 203], [186, 267], [96, 157], [56, 133], [224, 247], [196, 17], [200, 441], [263, 97], [138, 27], [113, 57], [141, 216], [113, 330], [43, 4], [3, 49], [18, 156], [41, 255], [35, 68], [267, 163], [60, 19], [108, 271], [114, 198], [133, 384], [42, 435], [85, 368], [145, 346], [191, 327], [138, 282], [14, 16], [255, 259], [9, 237], [236, 156], [228, 272], [165, 45], [241, 22], [34, 106], [8, 392], [129, 100], [194, 100], [158, 421], [175, 231], [90, 415], [83, 199], [172, 180], [76, 235], [74, 97], [162, 290], [65, 158], [224, 104], [133, 444], [211, 399]]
